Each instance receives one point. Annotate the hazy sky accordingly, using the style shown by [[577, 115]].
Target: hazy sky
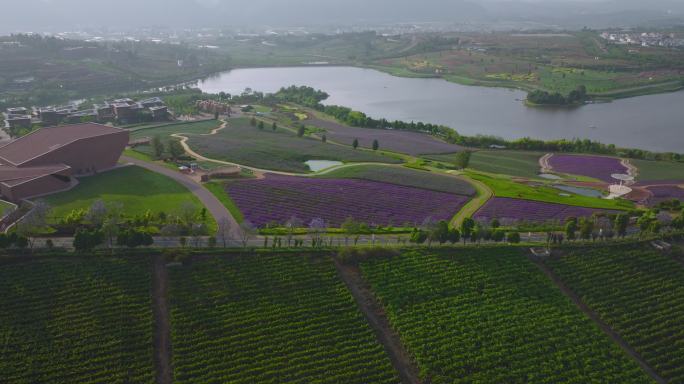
[[40, 15]]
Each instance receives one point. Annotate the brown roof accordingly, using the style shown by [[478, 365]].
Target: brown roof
[[13, 176], [46, 140]]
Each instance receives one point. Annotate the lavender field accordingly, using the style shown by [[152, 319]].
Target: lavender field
[[412, 143], [276, 199], [515, 210], [662, 193], [597, 167]]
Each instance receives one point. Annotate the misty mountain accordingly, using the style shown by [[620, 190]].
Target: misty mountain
[[46, 15]]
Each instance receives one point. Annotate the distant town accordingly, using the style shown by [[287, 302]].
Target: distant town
[[645, 39]]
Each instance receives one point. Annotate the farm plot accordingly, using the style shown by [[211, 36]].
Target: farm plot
[[640, 294], [659, 171], [281, 150], [76, 321], [516, 210], [412, 143], [270, 319], [276, 199], [405, 176], [490, 316], [597, 167]]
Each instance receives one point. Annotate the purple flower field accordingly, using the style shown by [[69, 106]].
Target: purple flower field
[[665, 192], [513, 210], [278, 198], [598, 167]]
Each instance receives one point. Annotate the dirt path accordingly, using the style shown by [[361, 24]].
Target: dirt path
[[402, 362], [544, 163], [484, 193], [162, 323], [595, 317]]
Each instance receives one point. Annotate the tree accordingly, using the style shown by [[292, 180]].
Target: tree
[[324, 139], [498, 235], [110, 229], [292, 224], [462, 159], [86, 240], [317, 227], [301, 130], [175, 149], [442, 232], [454, 236], [467, 227], [247, 232], [513, 237], [274, 126], [261, 125], [355, 144], [34, 221], [570, 228], [187, 213], [216, 115], [586, 228], [418, 236], [97, 213], [211, 242], [253, 122], [495, 223], [134, 237], [376, 145], [157, 147], [620, 225], [223, 233], [350, 227]]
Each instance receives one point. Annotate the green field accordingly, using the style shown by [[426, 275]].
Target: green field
[[491, 316], [281, 150], [505, 187], [512, 163], [659, 170], [218, 189], [640, 294], [76, 321], [138, 189], [404, 176], [270, 319]]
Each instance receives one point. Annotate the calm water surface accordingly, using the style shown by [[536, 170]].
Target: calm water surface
[[650, 122]]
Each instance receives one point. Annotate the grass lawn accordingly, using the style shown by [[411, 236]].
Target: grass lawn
[[505, 187], [658, 170], [218, 188], [513, 163], [136, 188], [279, 150], [4, 206], [404, 176]]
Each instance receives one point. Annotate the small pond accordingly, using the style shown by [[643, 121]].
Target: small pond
[[319, 165], [580, 191]]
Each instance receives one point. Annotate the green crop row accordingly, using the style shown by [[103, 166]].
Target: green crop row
[[490, 316], [640, 294], [270, 320], [76, 321]]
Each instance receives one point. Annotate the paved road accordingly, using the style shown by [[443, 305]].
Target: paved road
[[213, 205]]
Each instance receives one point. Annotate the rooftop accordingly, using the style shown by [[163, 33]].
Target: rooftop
[[12, 176], [46, 140]]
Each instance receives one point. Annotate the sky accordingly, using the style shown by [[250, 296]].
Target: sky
[[37, 15]]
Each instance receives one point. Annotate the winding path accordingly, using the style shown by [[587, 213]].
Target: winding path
[[213, 205], [484, 193]]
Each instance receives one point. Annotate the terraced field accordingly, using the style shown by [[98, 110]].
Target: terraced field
[[490, 316], [512, 163], [640, 294], [76, 321], [270, 319]]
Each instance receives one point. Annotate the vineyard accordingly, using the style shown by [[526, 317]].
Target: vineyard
[[72, 321], [640, 294], [490, 316], [268, 319]]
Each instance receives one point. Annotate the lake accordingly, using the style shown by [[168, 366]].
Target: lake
[[654, 122]]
